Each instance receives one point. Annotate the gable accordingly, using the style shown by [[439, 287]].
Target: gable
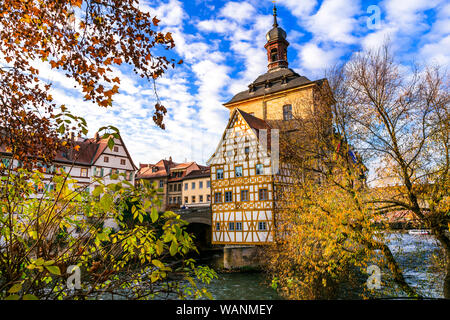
[[238, 136], [114, 157]]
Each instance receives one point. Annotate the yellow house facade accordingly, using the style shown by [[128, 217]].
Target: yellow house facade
[[197, 189]]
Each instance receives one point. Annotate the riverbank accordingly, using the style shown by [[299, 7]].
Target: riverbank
[[416, 254]]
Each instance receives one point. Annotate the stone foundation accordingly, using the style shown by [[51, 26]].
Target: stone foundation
[[238, 257]]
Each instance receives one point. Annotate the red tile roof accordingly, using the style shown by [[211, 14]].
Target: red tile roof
[[165, 169]]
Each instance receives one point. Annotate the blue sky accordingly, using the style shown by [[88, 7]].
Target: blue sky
[[222, 45]]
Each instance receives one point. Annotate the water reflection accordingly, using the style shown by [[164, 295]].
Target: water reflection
[[242, 286]]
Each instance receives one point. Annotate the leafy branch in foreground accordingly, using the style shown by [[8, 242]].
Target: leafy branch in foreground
[[142, 256]]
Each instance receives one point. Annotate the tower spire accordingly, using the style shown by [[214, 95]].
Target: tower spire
[[275, 22]]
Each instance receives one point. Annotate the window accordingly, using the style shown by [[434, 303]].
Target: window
[[238, 226], [238, 171], [218, 197], [98, 172], [170, 200], [263, 194], [123, 162], [200, 184], [161, 183], [229, 153], [185, 186], [200, 199], [244, 195], [259, 168], [84, 172], [193, 199], [247, 150], [287, 112], [262, 225], [170, 187], [219, 174], [154, 169], [228, 196], [208, 184], [193, 185], [217, 226], [231, 226], [186, 200], [106, 159], [274, 54], [179, 200], [116, 149], [208, 198]]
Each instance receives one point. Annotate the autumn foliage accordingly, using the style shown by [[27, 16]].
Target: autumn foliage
[[85, 40]]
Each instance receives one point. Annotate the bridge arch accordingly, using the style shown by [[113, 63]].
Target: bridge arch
[[200, 222]]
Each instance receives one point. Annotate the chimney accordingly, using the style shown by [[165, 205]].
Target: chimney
[[96, 137], [170, 158]]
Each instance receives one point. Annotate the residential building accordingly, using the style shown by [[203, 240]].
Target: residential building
[[169, 178], [86, 160], [197, 189]]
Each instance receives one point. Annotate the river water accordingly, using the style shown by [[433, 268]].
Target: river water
[[413, 252]]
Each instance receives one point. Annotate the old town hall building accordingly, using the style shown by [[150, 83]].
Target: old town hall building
[[245, 168]]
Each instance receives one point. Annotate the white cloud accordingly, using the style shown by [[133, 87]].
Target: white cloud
[[300, 9], [170, 14], [238, 11], [437, 53], [334, 21], [315, 59]]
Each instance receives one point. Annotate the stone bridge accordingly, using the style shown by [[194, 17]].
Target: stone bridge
[[199, 225], [196, 215]]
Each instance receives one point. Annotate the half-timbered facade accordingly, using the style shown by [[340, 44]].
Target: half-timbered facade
[[242, 183]]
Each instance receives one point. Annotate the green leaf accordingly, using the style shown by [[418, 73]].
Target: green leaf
[[154, 277], [30, 297], [154, 214], [15, 288], [159, 247], [53, 270], [103, 236], [111, 143], [49, 262], [39, 262], [158, 264], [106, 201], [97, 191], [173, 248], [13, 297]]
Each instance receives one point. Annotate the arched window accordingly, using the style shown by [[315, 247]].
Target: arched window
[[274, 54], [287, 112]]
